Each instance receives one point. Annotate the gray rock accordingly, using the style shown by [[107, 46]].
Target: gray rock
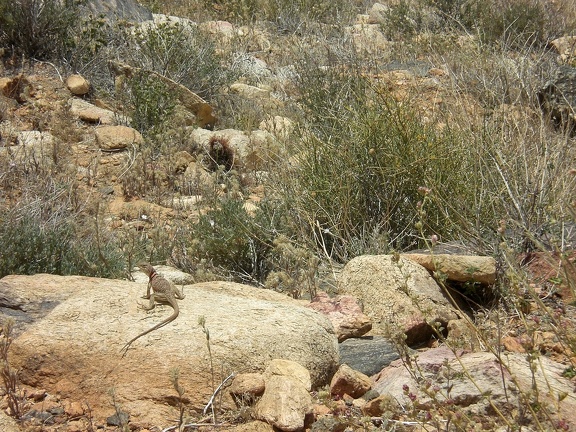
[[369, 354]]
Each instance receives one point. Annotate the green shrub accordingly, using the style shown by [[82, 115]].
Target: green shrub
[[181, 52], [57, 246], [232, 242], [151, 102], [40, 29], [402, 20], [286, 15]]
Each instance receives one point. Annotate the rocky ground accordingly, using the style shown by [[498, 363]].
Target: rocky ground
[[339, 362]]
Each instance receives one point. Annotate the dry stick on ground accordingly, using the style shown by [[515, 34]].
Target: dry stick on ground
[[163, 291]]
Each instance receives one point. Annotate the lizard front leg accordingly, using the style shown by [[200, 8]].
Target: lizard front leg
[[147, 296], [151, 303]]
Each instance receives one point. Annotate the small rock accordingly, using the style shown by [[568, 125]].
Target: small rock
[[328, 424], [247, 386], [113, 138], [281, 127], [292, 369], [89, 113], [345, 314], [512, 344], [78, 85], [349, 381], [378, 14], [73, 409], [250, 92], [284, 404], [118, 419], [378, 406], [565, 46]]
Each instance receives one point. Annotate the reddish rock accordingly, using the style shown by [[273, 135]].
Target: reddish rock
[[344, 313], [347, 381]]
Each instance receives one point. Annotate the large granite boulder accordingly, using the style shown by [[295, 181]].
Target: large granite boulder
[[69, 332]]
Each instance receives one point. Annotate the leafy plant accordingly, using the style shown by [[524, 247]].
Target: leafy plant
[[57, 246]]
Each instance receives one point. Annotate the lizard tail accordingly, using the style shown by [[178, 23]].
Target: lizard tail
[[168, 320]]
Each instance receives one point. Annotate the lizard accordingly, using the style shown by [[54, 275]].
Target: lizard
[[163, 291]]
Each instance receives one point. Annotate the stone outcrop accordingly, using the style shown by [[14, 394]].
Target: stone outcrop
[[398, 295], [69, 331], [344, 313], [459, 268]]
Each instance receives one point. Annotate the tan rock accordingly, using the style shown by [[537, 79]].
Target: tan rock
[[32, 148], [398, 295], [89, 113], [181, 161], [252, 150], [512, 344], [7, 423], [281, 127], [114, 138], [79, 324], [460, 268], [368, 38], [292, 369], [250, 92], [380, 405], [349, 381], [78, 85], [378, 13], [565, 46], [284, 404], [252, 384], [253, 426]]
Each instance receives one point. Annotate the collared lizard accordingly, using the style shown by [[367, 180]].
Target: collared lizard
[[163, 291]]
